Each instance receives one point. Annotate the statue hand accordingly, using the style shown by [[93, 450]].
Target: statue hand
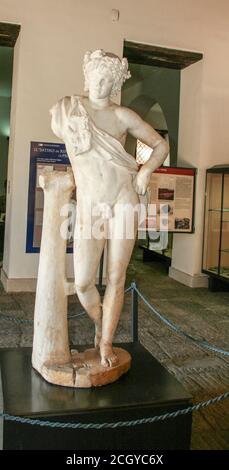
[[141, 181]]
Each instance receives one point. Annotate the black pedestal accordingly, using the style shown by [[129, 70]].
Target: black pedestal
[[145, 391]]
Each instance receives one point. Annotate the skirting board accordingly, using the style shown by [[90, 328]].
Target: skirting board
[[198, 280], [18, 284], [23, 284]]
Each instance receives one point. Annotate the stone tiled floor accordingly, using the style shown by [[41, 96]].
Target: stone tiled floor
[[202, 313]]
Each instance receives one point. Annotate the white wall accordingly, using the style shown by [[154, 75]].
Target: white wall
[[48, 57], [204, 113], [187, 249]]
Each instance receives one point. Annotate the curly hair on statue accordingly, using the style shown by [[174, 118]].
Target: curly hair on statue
[[108, 63]]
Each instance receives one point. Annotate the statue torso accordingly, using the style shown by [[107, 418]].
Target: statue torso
[[107, 119], [97, 178]]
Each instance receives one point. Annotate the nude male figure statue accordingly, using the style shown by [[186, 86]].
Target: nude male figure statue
[[94, 130]]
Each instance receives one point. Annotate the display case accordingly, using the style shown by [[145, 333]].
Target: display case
[[216, 227]]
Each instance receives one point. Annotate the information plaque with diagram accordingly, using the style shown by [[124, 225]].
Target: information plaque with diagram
[[171, 200]]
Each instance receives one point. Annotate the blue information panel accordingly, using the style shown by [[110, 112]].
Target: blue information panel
[[49, 157]]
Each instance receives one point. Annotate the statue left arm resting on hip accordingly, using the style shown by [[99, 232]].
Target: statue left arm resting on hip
[[141, 130]]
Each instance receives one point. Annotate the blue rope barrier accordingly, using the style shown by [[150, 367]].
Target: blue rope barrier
[[17, 321], [177, 329], [76, 315], [114, 425], [173, 326], [22, 321]]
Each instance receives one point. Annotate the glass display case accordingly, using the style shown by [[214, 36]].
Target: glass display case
[[216, 227]]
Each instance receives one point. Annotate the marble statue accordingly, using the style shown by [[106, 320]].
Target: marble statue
[[107, 179]]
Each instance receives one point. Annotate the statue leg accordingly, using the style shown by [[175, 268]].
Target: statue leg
[[118, 257], [87, 254]]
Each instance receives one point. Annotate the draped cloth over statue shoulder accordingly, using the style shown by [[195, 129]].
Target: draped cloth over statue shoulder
[[72, 124]]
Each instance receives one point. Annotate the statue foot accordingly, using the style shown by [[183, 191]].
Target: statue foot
[[108, 357], [85, 369]]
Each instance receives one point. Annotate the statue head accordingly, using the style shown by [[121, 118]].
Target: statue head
[[108, 65]]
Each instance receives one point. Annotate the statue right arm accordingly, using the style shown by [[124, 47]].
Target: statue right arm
[[59, 116], [71, 125]]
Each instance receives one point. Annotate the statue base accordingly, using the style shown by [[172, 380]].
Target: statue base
[[85, 369], [147, 390]]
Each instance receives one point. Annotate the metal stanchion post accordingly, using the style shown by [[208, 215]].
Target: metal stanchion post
[[134, 313], [100, 286]]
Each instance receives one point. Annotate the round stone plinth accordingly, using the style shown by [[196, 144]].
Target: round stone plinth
[[85, 369]]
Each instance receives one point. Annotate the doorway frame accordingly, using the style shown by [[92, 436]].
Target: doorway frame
[[146, 54], [8, 34]]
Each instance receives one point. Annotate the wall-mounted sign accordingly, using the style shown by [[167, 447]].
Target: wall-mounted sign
[[48, 157], [171, 199]]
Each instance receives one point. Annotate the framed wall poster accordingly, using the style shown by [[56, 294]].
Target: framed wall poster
[[49, 157], [171, 200]]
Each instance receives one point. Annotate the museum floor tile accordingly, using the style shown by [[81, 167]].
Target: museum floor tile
[[201, 313]]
